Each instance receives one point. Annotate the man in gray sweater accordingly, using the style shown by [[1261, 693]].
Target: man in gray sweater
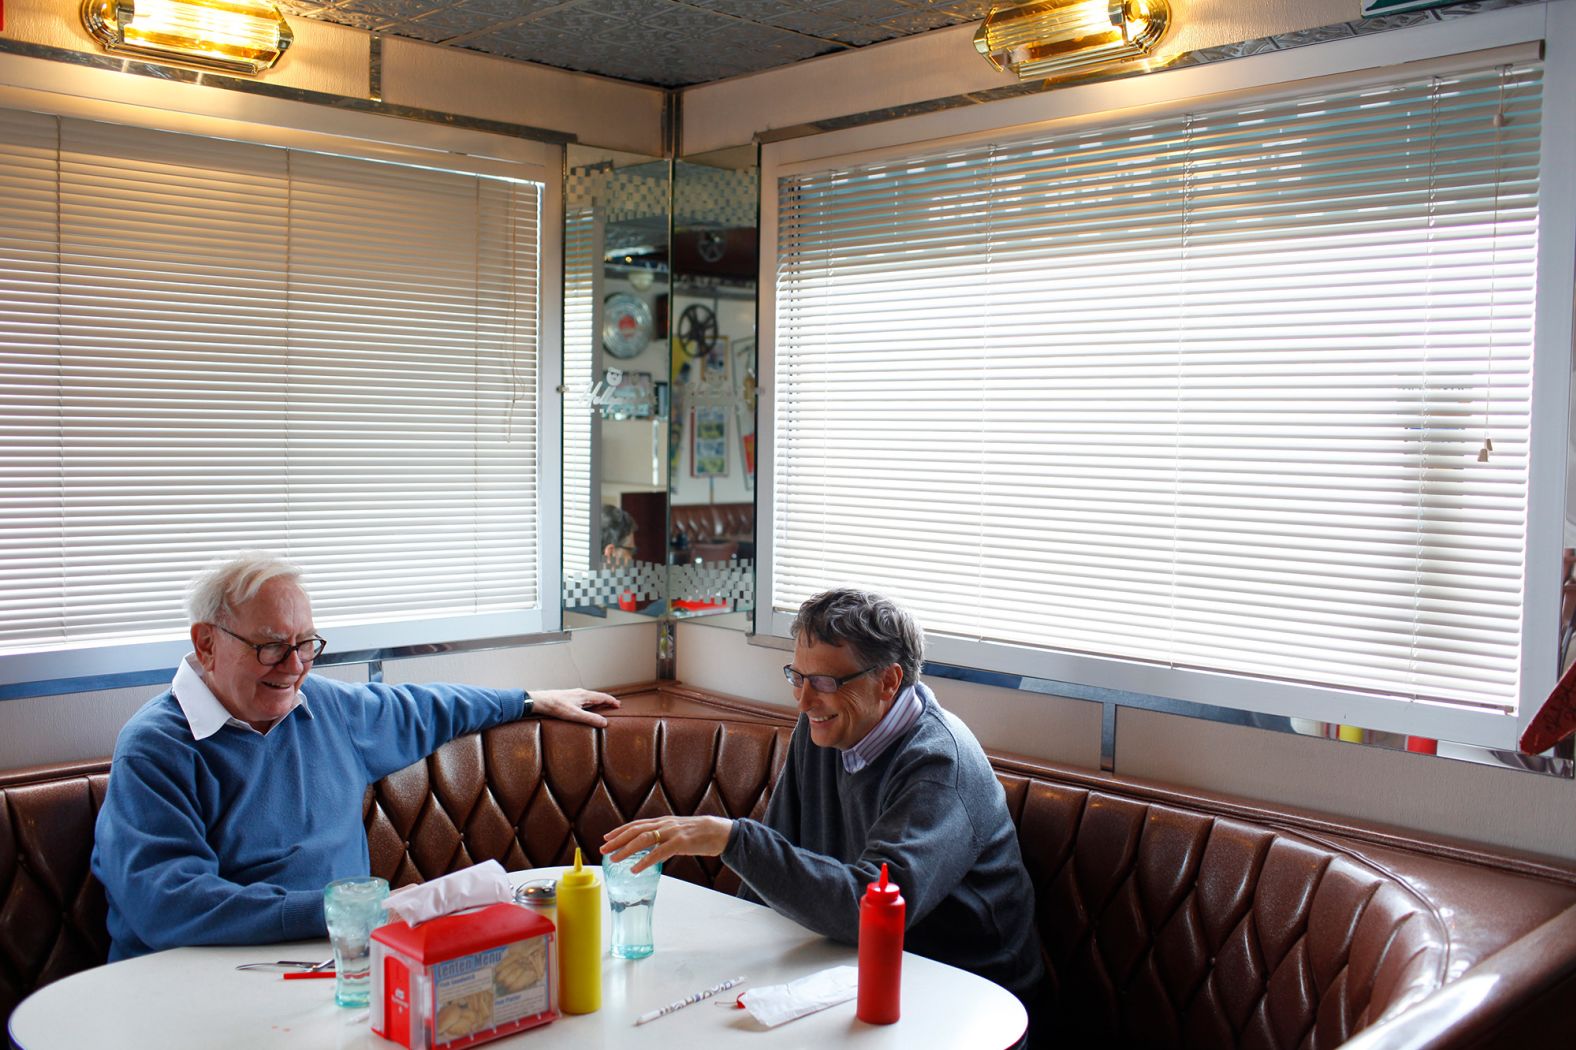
[[877, 773]]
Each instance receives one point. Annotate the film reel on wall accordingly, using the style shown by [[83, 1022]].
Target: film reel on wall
[[696, 333]]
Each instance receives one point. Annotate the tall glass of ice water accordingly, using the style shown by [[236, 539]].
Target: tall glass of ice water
[[631, 897], [353, 908]]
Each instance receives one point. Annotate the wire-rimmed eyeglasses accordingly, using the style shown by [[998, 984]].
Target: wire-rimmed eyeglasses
[[272, 654], [822, 683]]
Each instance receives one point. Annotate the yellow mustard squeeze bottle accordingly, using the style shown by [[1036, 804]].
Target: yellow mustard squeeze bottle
[[579, 940]]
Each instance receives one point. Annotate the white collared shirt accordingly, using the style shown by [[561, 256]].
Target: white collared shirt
[[204, 713]]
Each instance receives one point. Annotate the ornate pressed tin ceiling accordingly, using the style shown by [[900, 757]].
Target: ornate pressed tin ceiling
[[668, 43]]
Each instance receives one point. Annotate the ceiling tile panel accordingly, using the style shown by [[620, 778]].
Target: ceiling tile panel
[[668, 43], [835, 29]]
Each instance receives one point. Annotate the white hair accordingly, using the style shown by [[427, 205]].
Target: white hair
[[233, 581]]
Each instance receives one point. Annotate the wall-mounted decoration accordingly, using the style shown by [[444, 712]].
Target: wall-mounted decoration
[[629, 395], [715, 365], [696, 332], [626, 325], [709, 441], [744, 370]]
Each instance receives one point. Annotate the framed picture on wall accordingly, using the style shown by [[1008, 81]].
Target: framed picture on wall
[[715, 365], [709, 442]]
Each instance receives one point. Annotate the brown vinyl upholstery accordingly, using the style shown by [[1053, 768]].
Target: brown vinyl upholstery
[[1169, 918], [528, 793], [1165, 927], [714, 531], [51, 906]]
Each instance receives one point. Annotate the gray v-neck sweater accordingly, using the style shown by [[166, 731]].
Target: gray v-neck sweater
[[930, 808]]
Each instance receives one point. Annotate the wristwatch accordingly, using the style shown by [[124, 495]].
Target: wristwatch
[[529, 705]]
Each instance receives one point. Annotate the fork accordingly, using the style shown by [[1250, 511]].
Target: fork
[[289, 964]]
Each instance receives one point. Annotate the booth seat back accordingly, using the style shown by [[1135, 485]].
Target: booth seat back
[[1164, 927], [1161, 927], [713, 522], [526, 794], [1168, 919], [51, 907]]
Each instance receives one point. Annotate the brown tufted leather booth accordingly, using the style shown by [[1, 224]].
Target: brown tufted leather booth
[[713, 531], [51, 907], [528, 793], [1169, 918]]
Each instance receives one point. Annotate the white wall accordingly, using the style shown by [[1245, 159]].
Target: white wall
[[84, 725], [944, 64], [336, 60]]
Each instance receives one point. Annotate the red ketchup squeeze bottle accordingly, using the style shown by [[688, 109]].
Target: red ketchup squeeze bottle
[[880, 952]]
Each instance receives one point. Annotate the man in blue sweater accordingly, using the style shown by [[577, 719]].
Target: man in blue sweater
[[235, 797], [877, 773]]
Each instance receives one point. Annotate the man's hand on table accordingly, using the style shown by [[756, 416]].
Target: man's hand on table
[[668, 837], [572, 705]]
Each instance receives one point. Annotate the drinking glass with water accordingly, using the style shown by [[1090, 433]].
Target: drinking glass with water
[[353, 909], [631, 896]]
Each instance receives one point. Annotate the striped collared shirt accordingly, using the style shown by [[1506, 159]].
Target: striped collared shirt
[[900, 717]]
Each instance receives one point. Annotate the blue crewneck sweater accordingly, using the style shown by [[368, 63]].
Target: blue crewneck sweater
[[231, 839]]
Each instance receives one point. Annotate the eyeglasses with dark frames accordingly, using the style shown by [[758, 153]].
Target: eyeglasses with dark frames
[[272, 654], [823, 683]]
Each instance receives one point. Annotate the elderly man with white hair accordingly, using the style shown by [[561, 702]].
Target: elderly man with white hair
[[235, 796]]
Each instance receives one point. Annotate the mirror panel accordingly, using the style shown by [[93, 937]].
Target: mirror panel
[[615, 387], [715, 254], [659, 387]]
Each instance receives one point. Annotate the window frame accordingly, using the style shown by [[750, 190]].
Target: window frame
[[1549, 26], [103, 95]]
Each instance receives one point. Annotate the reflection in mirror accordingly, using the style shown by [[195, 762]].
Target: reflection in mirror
[[615, 387], [711, 455]]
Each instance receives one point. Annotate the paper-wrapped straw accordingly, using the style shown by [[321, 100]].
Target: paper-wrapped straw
[[688, 1000]]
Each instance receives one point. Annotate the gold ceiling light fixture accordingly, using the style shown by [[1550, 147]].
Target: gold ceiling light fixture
[[235, 36], [1059, 38]]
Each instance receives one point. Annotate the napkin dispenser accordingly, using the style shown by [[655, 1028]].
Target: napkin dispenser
[[463, 979]]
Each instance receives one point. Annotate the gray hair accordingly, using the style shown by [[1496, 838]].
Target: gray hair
[[616, 524], [233, 581], [874, 627]]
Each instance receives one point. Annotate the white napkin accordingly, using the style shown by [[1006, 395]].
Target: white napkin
[[478, 885], [778, 1003]]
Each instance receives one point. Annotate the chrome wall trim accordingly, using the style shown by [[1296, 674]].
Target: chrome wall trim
[[1108, 738], [1559, 764], [375, 68], [1201, 57], [180, 75], [373, 658]]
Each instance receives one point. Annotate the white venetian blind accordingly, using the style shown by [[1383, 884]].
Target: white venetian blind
[[1207, 391], [209, 345]]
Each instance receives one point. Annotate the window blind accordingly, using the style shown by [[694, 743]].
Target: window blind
[[210, 345], [1205, 391]]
